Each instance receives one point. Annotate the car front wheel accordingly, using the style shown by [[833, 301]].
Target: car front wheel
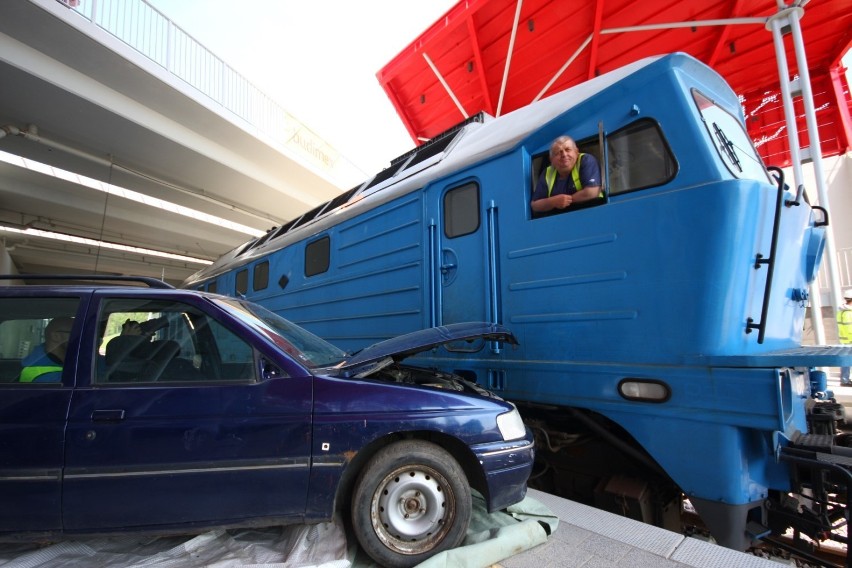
[[411, 501]]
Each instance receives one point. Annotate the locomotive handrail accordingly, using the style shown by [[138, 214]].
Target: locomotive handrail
[[434, 288], [770, 262], [493, 288], [824, 222]]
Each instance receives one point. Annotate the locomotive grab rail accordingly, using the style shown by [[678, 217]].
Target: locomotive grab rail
[[770, 262], [493, 288], [434, 286]]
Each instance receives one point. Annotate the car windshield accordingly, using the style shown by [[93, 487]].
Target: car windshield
[[301, 344]]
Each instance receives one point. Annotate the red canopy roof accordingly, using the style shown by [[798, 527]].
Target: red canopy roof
[[470, 60]]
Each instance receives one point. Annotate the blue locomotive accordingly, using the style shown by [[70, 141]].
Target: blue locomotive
[[660, 325]]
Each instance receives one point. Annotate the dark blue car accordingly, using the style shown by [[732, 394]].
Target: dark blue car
[[131, 408]]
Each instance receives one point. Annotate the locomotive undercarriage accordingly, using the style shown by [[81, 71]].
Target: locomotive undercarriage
[[594, 462], [588, 459], [817, 512]]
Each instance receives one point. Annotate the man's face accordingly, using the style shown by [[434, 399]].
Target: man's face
[[57, 336], [563, 157]]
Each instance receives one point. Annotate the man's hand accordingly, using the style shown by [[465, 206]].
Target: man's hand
[[561, 201]]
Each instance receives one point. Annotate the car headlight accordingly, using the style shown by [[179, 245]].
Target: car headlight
[[511, 425]]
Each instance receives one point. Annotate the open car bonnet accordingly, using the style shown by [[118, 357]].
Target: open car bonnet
[[400, 347]]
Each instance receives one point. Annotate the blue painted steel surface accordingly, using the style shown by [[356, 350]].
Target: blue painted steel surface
[[664, 281]]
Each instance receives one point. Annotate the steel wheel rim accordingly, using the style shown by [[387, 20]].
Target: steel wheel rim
[[413, 509]]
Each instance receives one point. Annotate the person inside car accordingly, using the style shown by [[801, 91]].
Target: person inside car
[[44, 363]]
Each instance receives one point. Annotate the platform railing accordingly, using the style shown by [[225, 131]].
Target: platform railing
[[149, 32]]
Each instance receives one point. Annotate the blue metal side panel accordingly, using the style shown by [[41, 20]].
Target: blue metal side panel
[[726, 416], [374, 288]]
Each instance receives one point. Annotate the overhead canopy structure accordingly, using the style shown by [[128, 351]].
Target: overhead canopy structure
[[500, 55]]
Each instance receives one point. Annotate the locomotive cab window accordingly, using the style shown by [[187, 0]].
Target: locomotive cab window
[[638, 157], [540, 163]]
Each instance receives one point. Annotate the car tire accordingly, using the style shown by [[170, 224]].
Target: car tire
[[411, 501]]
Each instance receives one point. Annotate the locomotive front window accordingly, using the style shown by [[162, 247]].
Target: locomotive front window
[[638, 157], [730, 139]]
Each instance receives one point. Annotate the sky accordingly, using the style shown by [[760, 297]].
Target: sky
[[318, 59]]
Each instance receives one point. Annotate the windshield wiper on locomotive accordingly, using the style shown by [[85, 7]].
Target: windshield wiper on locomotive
[[727, 147]]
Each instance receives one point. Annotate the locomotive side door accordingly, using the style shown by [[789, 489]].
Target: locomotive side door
[[460, 291]]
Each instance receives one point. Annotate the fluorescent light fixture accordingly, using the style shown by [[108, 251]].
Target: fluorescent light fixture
[[102, 244], [125, 193]]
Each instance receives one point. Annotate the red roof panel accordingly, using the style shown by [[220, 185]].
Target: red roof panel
[[463, 63]]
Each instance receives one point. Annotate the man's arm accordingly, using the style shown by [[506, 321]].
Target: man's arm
[[587, 193]]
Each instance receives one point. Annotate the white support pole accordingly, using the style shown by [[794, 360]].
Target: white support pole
[[816, 155], [563, 68], [445, 85], [509, 56], [775, 25]]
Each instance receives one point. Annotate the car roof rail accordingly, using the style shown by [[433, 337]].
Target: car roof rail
[[149, 281]]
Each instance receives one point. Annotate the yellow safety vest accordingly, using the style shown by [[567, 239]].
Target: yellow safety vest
[[844, 326], [29, 374], [550, 176]]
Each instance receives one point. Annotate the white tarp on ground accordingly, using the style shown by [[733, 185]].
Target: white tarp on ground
[[489, 539]]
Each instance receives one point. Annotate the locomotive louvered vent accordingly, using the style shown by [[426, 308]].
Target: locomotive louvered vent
[[301, 220], [250, 245], [258, 241], [431, 148], [383, 175], [437, 144], [342, 198], [308, 216]]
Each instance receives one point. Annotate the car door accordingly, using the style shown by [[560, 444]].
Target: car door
[[32, 430], [202, 438]]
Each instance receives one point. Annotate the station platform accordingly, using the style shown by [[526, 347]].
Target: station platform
[[580, 537], [591, 538]]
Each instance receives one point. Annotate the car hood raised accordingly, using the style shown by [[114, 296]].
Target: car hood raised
[[402, 346]]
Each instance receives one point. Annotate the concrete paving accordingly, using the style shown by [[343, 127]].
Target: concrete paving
[[591, 538]]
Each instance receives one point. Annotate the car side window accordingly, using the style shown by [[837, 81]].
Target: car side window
[[152, 341], [34, 338]]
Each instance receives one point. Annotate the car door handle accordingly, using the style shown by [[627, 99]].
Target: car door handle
[[107, 415]]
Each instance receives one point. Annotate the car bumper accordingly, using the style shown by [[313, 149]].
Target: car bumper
[[507, 467]]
